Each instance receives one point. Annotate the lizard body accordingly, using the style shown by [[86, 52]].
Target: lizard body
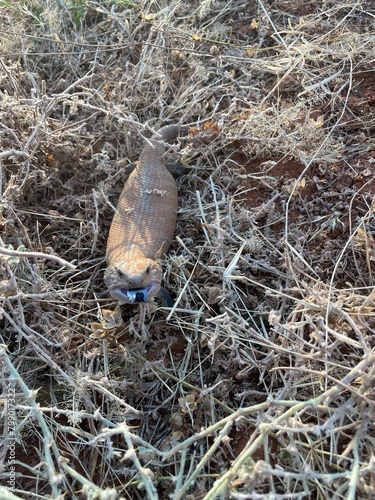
[[143, 226]]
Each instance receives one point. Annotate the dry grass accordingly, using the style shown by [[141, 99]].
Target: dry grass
[[259, 383]]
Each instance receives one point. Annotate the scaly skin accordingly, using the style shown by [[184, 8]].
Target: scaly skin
[[143, 226]]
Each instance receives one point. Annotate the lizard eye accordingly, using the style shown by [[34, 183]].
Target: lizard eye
[[120, 274], [148, 269]]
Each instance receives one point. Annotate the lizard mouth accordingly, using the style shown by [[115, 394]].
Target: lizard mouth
[[134, 295]]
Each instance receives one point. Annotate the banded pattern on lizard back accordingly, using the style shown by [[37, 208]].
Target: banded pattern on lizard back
[[144, 224]]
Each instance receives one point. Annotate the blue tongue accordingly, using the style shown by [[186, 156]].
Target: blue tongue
[[137, 295]]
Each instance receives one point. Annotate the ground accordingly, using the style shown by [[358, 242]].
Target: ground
[[259, 382]]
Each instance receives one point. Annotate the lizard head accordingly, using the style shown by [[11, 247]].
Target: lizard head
[[134, 281]]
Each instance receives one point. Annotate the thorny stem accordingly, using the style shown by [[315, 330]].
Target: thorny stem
[[37, 255], [223, 482], [55, 478], [145, 474], [204, 460], [48, 442], [5, 494]]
